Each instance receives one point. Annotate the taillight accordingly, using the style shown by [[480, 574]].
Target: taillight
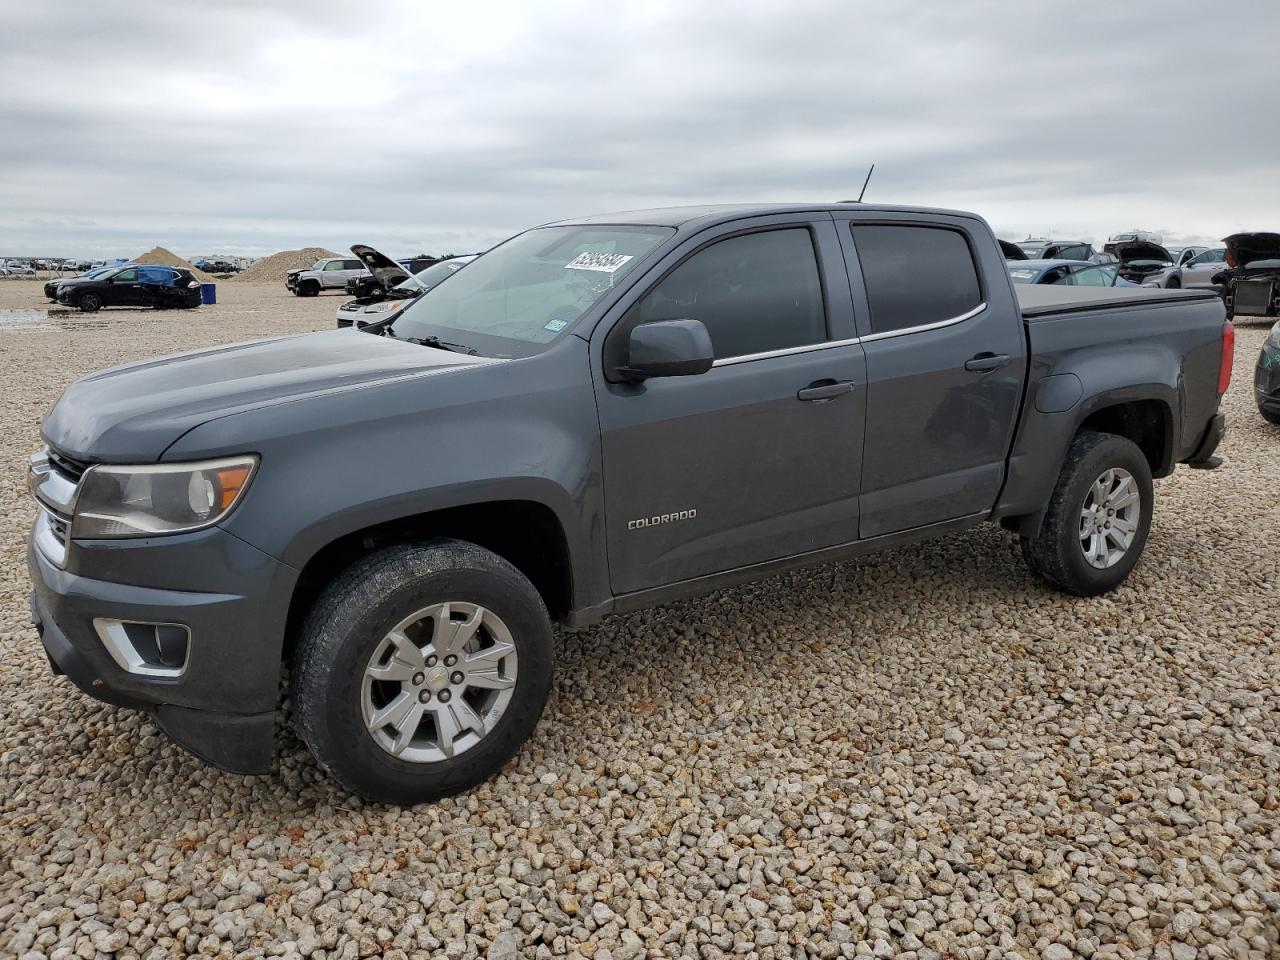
[[1228, 356]]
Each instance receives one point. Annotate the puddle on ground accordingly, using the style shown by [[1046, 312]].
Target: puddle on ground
[[21, 321], [35, 320]]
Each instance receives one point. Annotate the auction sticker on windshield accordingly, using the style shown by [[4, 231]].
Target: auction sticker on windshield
[[599, 262]]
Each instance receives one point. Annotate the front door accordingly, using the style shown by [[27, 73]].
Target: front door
[[759, 457], [124, 290], [946, 360]]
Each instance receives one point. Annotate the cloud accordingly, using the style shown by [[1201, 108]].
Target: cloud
[[247, 127]]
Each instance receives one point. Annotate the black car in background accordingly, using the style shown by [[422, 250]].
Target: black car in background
[[135, 285], [372, 284], [51, 286], [1252, 278], [1266, 378]]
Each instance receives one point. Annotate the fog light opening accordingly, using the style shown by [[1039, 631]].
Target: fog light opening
[[146, 649]]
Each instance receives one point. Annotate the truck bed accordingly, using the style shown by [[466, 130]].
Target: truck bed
[[1041, 300]]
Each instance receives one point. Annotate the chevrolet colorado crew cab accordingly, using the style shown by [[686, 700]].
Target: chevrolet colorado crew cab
[[592, 417]]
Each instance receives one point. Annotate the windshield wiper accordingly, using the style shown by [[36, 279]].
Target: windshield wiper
[[439, 344]]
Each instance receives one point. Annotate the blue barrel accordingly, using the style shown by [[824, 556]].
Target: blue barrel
[[208, 293]]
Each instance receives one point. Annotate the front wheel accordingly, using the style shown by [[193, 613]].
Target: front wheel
[[1098, 517], [89, 302], [1271, 416], [1174, 283], [422, 670]]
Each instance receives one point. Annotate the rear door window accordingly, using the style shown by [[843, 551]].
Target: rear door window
[[354, 264], [754, 293], [916, 275]]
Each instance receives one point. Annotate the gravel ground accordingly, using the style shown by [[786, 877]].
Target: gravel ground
[[922, 754]]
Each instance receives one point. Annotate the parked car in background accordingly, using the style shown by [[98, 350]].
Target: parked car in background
[[1045, 271], [379, 307], [14, 268], [1098, 275], [1140, 259], [1130, 237], [596, 416], [1266, 377], [137, 285], [1197, 270], [388, 273], [1042, 249], [51, 286], [217, 266], [1252, 277], [329, 273]]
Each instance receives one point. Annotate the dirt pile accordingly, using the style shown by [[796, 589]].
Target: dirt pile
[[277, 265], [163, 257]]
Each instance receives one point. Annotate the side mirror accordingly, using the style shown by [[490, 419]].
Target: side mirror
[[668, 348]]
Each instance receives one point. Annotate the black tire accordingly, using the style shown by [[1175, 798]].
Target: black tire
[[1174, 283], [308, 288], [349, 621], [1056, 554], [89, 302], [1271, 416]]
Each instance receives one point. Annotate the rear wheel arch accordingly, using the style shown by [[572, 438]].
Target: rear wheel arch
[[526, 533], [1148, 422]]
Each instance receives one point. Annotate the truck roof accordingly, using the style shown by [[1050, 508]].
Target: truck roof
[[712, 213], [1038, 300]]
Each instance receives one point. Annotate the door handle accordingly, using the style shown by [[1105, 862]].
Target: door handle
[[987, 361], [822, 390]]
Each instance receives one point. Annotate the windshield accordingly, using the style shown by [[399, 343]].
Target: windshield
[[528, 290], [1033, 250]]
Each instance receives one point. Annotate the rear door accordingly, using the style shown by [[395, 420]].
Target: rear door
[[946, 358], [759, 457]]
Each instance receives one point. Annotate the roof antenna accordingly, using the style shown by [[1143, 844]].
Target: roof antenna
[[866, 181]]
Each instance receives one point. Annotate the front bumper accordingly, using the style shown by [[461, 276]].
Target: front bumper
[[222, 707]]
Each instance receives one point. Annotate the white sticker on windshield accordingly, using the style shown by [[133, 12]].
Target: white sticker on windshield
[[599, 262], [555, 326]]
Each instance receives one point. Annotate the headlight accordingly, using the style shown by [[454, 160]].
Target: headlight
[[148, 501], [385, 306]]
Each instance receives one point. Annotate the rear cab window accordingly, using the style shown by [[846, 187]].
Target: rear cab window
[[916, 275]]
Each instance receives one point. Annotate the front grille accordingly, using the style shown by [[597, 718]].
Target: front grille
[[69, 467], [58, 526]]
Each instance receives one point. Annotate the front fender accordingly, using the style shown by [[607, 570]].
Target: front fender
[[331, 466]]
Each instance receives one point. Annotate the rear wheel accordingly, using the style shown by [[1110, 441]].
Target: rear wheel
[[1098, 517], [422, 670], [89, 302]]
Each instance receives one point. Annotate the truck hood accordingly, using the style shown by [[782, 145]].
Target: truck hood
[[385, 270], [135, 412]]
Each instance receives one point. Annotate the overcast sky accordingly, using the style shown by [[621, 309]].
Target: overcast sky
[[219, 127]]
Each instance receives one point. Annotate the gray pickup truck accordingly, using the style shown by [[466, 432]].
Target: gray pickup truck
[[595, 416]]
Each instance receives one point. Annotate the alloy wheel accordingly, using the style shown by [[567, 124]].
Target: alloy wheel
[[1109, 518], [438, 682]]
